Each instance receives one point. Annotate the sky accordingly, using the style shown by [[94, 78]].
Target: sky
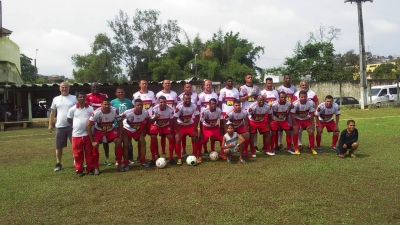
[[59, 29]]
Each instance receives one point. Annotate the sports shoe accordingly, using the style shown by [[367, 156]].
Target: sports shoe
[[223, 157], [341, 155], [116, 163], [290, 152], [263, 149], [80, 174], [96, 172], [58, 167], [352, 155], [184, 154], [108, 163], [179, 162], [120, 169], [126, 167], [157, 156], [242, 161], [271, 153], [172, 161], [297, 152], [152, 163], [84, 165], [256, 148], [206, 154], [247, 155], [228, 160], [334, 149], [314, 152], [280, 147], [254, 156], [131, 162], [144, 164], [90, 173], [319, 150], [300, 147], [199, 159]]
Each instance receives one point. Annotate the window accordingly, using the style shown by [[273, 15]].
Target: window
[[393, 90]]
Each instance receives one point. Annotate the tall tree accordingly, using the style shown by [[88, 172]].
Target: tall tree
[[28, 71], [385, 71]]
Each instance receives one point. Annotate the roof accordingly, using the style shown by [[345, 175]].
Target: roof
[[5, 32]]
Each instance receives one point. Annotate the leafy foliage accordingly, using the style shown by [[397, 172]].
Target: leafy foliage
[[385, 71], [28, 70]]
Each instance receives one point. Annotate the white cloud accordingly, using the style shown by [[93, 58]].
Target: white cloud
[[383, 26]]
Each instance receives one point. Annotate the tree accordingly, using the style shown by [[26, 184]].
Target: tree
[[28, 71], [385, 71]]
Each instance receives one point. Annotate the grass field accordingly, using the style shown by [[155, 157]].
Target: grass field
[[284, 189]]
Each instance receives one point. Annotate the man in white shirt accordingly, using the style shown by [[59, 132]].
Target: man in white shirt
[[60, 106]]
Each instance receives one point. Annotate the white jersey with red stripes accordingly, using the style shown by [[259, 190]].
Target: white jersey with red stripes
[[204, 100], [95, 100], [270, 96], [193, 98], [289, 92], [302, 111], [325, 114], [280, 112], [310, 95], [236, 118], [104, 121], [147, 98], [185, 115], [252, 91], [210, 119], [165, 116], [227, 96], [132, 122], [257, 113], [172, 98]]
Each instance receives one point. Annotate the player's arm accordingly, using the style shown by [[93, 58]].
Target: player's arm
[[51, 119], [177, 133], [196, 124], [69, 120], [241, 139], [120, 126], [223, 146], [243, 98], [145, 127], [247, 124], [89, 126], [337, 122]]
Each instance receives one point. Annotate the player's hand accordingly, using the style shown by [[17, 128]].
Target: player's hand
[[196, 133], [95, 144], [200, 137], [344, 146], [319, 129], [157, 116], [177, 136], [237, 148], [50, 128], [117, 141], [336, 129], [295, 128]]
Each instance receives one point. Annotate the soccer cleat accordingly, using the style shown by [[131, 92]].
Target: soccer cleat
[[290, 151], [256, 148], [334, 149], [199, 159], [314, 152], [271, 153], [341, 156], [319, 150], [172, 161], [242, 161], [108, 163], [80, 174], [247, 155], [228, 160], [96, 172], [254, 156], [138, 159], [126, 167], [223, 157], [157, 156], [179, 162], [206, 154], [152, 163], [116, 163], [120, 169], [297, 152], [352, 155], [280, 147], [184, 154], [300, 147], [58, 167], [263, 149], [131, 162], [144, 164], [90, 173]]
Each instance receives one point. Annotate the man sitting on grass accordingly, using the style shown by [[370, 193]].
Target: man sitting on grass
[[348, 140]]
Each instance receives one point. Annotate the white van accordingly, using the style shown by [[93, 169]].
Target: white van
[[380, 94]]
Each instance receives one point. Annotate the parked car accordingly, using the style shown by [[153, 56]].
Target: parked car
[[380, 94], [346, 100]]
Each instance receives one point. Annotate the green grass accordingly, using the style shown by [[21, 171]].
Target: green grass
[[284, 189]]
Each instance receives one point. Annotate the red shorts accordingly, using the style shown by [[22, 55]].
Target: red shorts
[[109, 135], [135, 135], [155, 130], [260, 126], [330, 126], [240, 129], [186, 130], [277, 125], [303, 123], [211, 132]]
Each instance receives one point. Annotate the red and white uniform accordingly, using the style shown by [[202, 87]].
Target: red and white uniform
[[280, 115], [133, 123], [302, 112], [95, 100], [270, 96], [147, 98], [252, 91], [289, 92], [258, 117], [310, 95], [326, 114], [210, 124], [193, 98], [204, 100], [237, 120], [104, 124], [185, 119], [227, 96], [162, 125], [172, 98]]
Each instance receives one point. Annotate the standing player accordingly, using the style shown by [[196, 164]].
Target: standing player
[[122, 104], [269, 93], [240, 121], [60, 106], [94, 99], [172, 99], [194, 99], [103, 121], [186, 120], [289, 89], [324, 118], [209, 126], [311, 96], [148, 99], [303, 118], [248, 95], [260, 119], [161, 124], [135, 122], [280, 113], [202, 103], [78, 115]]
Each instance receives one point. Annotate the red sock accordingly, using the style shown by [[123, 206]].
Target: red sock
[[212, 145], [178, 146], [288, 142], [118, 153], [196, 148], [205, 147], [126, 162], [153, 147], [267, 146], [318, 137], [252, 149], [184, 144], [95, 154], [274, 140], [171, 146], [311, 141], [296, 141], [138, 151], [163, 144], [246, 146], [142, 160], [334, 140]]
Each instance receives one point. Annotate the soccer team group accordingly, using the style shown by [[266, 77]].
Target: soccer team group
[[232, 117]]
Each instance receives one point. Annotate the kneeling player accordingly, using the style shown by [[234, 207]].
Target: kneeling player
[[103, 121], [232, 142], [348, 140], [135, 123]]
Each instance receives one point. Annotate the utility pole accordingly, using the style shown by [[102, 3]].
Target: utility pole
[[363, 75], [1, 21], [36, 74]]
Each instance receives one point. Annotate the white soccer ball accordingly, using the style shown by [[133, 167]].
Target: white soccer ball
[[161, 163], [191, 160], [214, 156]]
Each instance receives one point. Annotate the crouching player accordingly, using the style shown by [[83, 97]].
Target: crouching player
[[161, 124], [186, 125], [209, 126], [303, 119], [232, 142], [259, 118], [348, 140], [135, 122], [78, 115], [103, 121]]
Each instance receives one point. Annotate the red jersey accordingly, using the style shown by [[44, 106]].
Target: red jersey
[[95, 99]]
